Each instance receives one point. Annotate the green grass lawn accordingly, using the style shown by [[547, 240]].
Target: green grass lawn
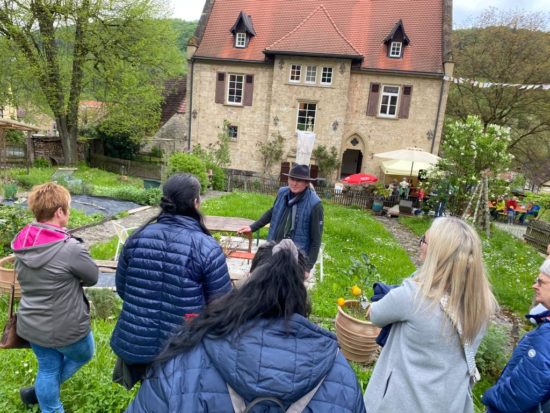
[[348, 234], [511, 264]]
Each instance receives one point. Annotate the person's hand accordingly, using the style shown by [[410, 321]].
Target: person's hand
[[306, 275], [244, 230]]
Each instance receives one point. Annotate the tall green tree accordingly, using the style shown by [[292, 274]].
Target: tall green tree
[[511, 48], [73, 48]]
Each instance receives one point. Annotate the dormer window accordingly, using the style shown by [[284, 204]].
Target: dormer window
[[397, 40], [243, 30], [395, 49], [240, 40]]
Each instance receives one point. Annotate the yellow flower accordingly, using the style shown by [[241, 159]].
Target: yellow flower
[[355, 290], [341, 301]]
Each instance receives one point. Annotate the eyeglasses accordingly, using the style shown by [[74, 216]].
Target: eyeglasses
[[423, 240], [539, 281]]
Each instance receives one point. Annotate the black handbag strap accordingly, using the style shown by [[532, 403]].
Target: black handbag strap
[[11, 303]]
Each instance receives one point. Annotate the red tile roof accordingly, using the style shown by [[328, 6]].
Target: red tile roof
[[334, 27], [305, 39], [174, 98]]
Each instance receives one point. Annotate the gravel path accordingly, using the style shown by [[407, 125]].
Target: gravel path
[[104, 232], [408, 240]]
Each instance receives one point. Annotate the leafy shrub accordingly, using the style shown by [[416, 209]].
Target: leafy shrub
[[13, 219], [218, 177], [494, 351], [181, 162], [41, 163], [104, 303], [10, 190], [149, 196]]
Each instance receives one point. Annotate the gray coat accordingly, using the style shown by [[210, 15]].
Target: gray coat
[[54, 311], [422, 367]]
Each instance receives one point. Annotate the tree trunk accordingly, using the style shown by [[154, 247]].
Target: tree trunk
[[68, 141]]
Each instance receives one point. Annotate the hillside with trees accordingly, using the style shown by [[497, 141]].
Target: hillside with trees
[[514, 49]]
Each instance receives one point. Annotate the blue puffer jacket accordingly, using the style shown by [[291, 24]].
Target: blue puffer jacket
[[525, 382], [271, 358], [169, 269]]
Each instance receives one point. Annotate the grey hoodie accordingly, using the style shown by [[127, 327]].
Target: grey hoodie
[[52, 267]]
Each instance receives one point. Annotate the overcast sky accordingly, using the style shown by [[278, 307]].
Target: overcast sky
[[464, 10]]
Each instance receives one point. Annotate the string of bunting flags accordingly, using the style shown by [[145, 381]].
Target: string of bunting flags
[[477, 83]]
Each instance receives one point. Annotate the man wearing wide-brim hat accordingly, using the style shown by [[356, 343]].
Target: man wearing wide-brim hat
[[297, 213]]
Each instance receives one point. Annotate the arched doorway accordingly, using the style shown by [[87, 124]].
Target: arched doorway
[[352, 156]]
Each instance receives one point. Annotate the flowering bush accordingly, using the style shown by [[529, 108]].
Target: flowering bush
[[468, 149]]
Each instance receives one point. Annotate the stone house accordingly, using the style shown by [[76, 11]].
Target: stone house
[[366, 76]]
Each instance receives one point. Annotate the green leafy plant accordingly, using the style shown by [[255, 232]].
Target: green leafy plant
[[10, 190], [494, 351], [41, 163], [104, 303], [185, 162], [326, 160], [271, 152]]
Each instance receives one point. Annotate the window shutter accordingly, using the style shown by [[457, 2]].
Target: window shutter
[[405, 102], [220, 87], [248, 90], [372, 105]]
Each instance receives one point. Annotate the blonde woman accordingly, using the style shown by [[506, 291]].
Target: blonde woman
[[438, 318]]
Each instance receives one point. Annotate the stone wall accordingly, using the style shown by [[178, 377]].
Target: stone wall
[[341, 111]]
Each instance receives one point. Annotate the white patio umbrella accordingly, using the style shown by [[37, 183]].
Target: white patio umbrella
[[411, 155]]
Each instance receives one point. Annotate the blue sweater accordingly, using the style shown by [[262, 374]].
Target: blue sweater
[[269, 358], [169, 269], [525, 382]]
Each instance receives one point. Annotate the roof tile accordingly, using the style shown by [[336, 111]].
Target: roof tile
[[336, 27]]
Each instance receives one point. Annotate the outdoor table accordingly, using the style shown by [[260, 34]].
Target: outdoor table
[[229, 224]]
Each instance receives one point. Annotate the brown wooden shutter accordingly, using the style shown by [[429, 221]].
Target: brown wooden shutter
[[220, 87], [405, 102], [372, 105], [248, 90]]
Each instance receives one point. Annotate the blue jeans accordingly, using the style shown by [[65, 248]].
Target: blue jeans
[[55, 366]]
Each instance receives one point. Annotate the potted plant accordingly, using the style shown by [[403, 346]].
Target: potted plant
[[356, 334], [380, 193]]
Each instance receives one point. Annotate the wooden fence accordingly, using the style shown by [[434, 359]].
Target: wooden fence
[[538, 235], [325, 190]]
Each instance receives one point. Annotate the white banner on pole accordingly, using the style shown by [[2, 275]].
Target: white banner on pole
[[304, 147]]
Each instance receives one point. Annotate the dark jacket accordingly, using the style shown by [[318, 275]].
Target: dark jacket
[[525, 381], [271, 358], [52, 267], [169, 269]]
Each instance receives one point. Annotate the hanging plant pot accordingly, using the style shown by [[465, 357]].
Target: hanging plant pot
[[7, 276], [357, 338]]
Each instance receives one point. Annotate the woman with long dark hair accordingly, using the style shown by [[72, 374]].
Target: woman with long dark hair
[[169, 268], [254, 347]]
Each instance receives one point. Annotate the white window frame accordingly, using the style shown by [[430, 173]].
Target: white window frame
[[307, 109], [228, 94], [236, 128], [325, 73], [396, 48], [240, 40], [311, 75], [386, 99], [295, 75]]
